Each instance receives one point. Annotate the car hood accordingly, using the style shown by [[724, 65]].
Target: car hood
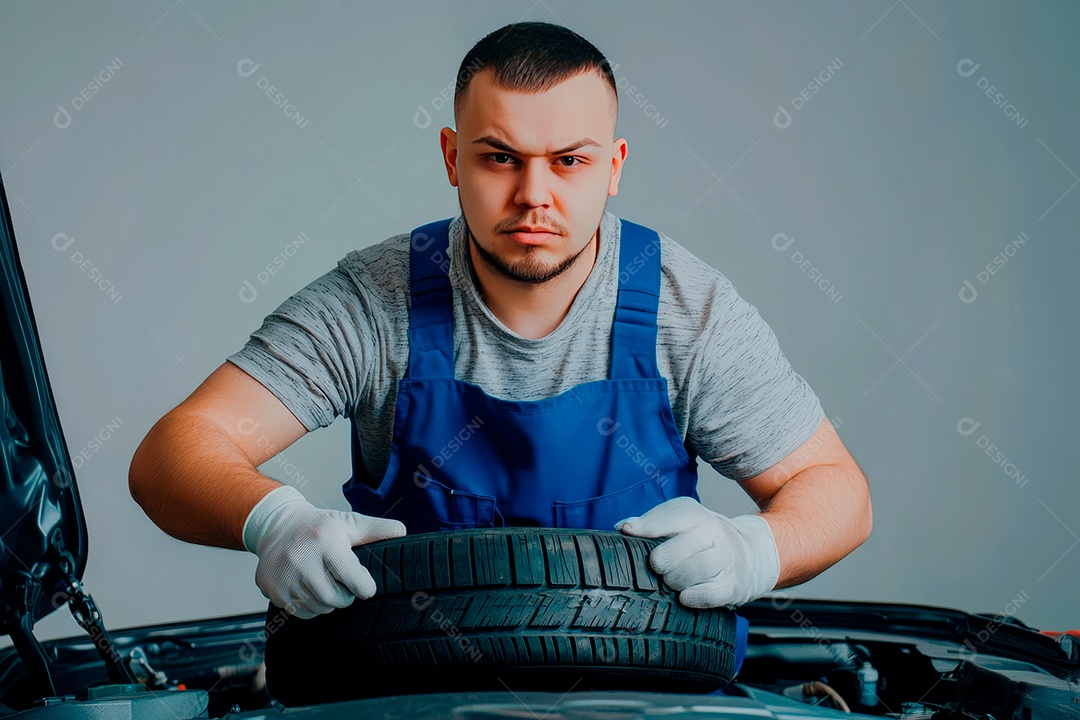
[[43, 547]]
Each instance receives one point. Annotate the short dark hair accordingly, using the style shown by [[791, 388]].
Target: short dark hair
[[531, 57]]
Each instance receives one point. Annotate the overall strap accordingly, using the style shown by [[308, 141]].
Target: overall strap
[[431, 336], [633, 336]]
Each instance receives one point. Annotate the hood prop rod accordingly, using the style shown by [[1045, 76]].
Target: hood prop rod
[[86, 613]]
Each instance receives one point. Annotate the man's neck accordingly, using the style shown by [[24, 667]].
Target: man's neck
[[530, 310]]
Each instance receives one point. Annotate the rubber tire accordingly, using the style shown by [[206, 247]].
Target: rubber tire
[[492, 609]]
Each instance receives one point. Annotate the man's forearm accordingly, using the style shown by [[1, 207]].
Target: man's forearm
[[194, 482], [820, 515]]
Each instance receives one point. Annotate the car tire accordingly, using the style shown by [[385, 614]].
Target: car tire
[[502, 608]]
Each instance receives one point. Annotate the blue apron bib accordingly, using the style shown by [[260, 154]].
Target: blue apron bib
[[586, 458]]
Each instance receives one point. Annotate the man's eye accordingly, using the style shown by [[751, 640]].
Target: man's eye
[[567, 161]]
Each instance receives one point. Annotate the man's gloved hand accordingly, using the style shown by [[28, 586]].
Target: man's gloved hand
[[712, 560], [306, 561]]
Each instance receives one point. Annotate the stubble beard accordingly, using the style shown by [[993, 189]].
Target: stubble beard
[[528, 269]]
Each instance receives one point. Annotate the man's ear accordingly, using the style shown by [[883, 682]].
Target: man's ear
[[448, 140], [618, 157]]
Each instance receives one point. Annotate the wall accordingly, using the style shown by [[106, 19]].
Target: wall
[[902, 227]]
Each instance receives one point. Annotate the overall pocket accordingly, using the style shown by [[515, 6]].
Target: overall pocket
[[431, 506], [603, 511]]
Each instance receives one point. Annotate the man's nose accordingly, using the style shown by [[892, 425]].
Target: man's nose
[[534, 184]]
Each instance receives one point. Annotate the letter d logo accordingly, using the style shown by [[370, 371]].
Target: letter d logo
[[606, 426], [247, 67], [968, 293], [248, 293], [781, 237], [62, 118], [422, 118], [782, 118], [966, 67], [966, 426], [66, 245]]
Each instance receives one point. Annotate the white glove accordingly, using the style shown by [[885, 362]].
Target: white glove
[[306, 561], [712, 560]]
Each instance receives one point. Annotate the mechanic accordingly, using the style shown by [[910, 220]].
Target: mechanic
[[533, 361]]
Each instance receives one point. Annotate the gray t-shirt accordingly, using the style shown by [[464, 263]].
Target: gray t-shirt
[[339, 346]]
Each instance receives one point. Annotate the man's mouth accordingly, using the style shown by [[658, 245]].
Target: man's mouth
[[532, 237]]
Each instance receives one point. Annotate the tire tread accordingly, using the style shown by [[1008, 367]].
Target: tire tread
[[528, 605]]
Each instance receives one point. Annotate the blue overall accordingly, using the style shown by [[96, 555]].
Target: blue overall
[[586, 458]]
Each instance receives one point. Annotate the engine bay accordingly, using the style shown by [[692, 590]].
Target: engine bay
[[829, 670]]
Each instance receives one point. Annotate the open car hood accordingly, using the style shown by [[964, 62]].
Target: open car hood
[[43, 547]]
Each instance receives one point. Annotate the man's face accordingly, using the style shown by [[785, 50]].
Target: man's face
[[546, 160]]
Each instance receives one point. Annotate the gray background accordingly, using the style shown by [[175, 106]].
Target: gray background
[[179, 179]]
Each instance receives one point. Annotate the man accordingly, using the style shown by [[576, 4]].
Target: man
[[534, 361]]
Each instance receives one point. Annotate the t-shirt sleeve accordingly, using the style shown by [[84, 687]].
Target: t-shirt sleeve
[[749, 409], [316, 350]]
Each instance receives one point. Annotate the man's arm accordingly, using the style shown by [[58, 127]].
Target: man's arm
[[194, 474], [817, 503]]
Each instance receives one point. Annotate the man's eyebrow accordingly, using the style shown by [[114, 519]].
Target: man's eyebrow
[[500, 145]]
